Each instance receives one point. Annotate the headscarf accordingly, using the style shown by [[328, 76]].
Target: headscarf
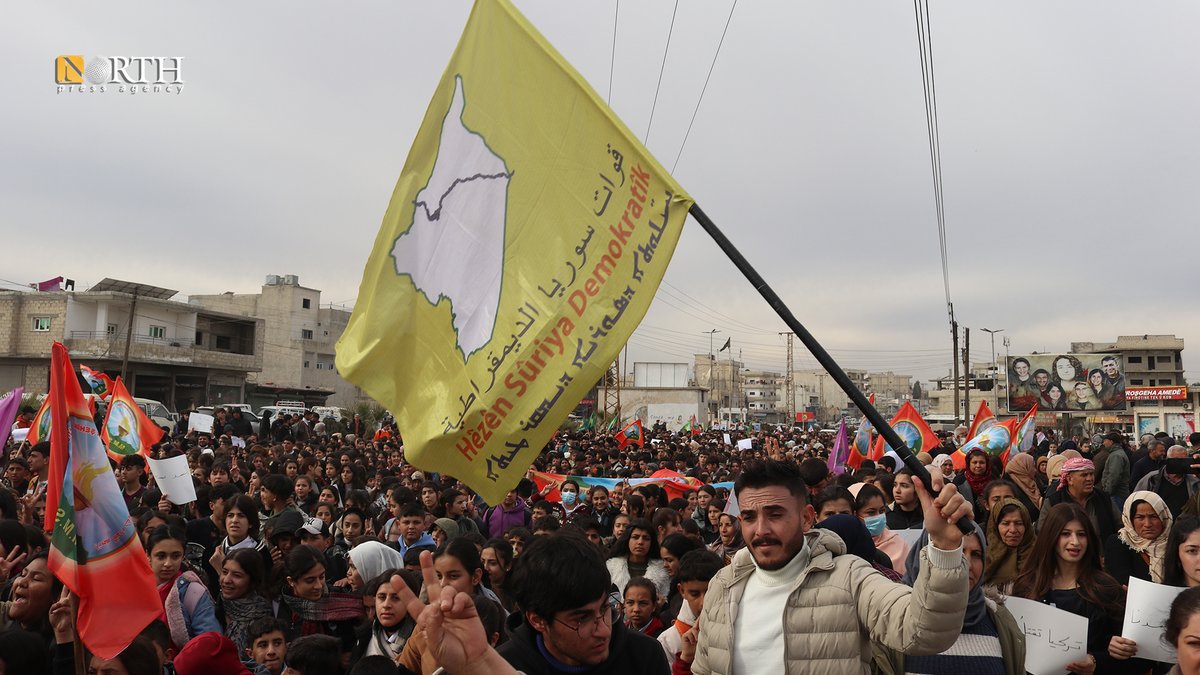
[[976, 605], [1003, 563], [1078, 464], [852, 531], [372, 558], [1022, 470], [1156, 548], [1055, 463], [977, 481]]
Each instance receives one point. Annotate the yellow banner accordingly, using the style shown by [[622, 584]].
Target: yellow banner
[[525, 240]]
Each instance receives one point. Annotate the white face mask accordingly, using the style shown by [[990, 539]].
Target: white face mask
[[568, 498]]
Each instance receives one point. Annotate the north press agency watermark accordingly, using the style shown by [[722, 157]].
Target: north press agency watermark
[[120, 74]]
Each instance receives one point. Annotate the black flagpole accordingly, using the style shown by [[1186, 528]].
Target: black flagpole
[[823, 357]]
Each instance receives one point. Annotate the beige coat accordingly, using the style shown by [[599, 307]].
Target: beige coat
[[837, 607]]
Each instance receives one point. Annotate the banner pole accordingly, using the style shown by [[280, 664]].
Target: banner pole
[[835, 371]]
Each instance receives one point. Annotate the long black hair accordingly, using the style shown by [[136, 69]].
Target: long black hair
[[620, 548]]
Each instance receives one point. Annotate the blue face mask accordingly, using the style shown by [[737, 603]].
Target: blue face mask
[[568, 498], [876, 524]]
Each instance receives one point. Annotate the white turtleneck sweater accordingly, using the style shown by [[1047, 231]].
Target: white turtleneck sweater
[[758, 630]]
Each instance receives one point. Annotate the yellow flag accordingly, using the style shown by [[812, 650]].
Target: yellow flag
[[523, 244]]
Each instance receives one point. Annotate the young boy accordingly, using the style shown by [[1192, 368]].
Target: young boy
[[641, 607], [696, 569], [266, 643]]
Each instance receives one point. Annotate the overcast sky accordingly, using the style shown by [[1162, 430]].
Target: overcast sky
[[1069, 136]]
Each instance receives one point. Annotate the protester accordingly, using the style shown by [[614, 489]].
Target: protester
[[869, 506], [990, 641], [1138, 548], [637, 554], [241, 602], [1010, 537], [1079, 488], [187, 606], [1064, 570], [783, 551]]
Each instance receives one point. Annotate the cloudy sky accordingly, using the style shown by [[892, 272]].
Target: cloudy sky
[[1069, 137]]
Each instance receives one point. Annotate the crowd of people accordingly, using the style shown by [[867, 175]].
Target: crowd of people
[[320, 553]]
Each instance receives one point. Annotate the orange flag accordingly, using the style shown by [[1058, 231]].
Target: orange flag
[[127, 430], [632, 433], [94, 549], [912, 429], [984, 418]]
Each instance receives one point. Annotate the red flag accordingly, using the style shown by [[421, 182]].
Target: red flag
[[912, 429], [632, 433], [984, 418], [127, 430], [995, 440], [94, 547], [98, 380], [39, 428]]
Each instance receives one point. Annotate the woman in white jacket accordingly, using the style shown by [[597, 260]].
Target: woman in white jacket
[[636, 554]]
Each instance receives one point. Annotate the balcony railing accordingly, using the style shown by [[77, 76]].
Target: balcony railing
[[137, 339]]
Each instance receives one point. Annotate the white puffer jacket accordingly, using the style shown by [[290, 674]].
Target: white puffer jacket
[[837, 606]]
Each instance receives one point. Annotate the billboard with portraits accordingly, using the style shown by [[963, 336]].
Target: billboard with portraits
[[1065, 382]]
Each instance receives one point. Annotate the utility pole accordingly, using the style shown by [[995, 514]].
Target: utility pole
[[713, 400], [966, 356], [1007, 402], [790, 397], [995, 365], [954, 360], [128, 340], [612, 392]]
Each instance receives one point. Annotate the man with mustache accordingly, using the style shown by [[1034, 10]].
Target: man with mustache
[[794, 585]]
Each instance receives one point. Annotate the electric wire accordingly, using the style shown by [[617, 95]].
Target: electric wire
[[704, 88], [662, 69], [929, 87], [613, 59]]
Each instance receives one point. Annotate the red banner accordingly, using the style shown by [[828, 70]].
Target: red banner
[[1179, 393]]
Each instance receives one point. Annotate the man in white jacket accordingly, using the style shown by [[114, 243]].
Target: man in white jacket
[[793, 597]]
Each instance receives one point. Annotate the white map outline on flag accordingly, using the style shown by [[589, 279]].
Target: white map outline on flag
[[454, 248]]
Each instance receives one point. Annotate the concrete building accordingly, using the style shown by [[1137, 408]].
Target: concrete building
[[673, 406], [766, 396], [1148, 361], [723, 380], [179, 354], [299, 344]]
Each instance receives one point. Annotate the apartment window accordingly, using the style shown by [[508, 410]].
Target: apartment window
[[110, 329], [306, 303], [41, 324], [224, 342], [1149, 363], [158, 331], [306, 364], [305, 334], [1164, 359], [200, 338], [1136, 382], [1135, 359]]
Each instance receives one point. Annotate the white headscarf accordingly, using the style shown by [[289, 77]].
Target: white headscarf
[[373, 558], [1155, 548]]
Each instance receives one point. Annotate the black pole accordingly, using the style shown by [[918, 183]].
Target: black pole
[[822, 356]]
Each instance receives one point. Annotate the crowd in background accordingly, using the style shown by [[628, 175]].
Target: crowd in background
[[306, 550]]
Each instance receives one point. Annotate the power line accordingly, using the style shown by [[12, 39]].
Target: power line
[[929, 87], [613, 59], [705, 87], [661, 70]]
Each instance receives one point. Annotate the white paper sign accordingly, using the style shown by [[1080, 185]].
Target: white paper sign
[[19, 435], [174, 478], [201, 422], [728, 440], [745, 444], [1146, 610], [1054, 638]]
